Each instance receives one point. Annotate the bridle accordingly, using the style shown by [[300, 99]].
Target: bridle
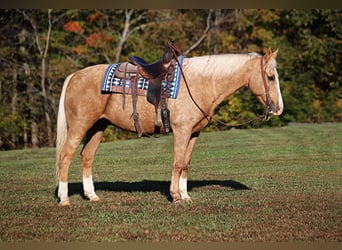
[[264, 116], [267, 90]]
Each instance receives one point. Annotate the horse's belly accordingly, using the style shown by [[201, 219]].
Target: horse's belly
[[121, 115]]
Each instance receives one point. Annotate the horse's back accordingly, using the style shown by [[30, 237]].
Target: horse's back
[[93, 73]]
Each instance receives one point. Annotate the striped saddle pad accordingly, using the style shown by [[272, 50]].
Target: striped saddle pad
[[113, 84]]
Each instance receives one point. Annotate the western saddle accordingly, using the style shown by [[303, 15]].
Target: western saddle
[[157, 95]]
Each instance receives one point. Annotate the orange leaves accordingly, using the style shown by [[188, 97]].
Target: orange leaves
[[98, 40], [79, 50], [95, 16], [73, 26]]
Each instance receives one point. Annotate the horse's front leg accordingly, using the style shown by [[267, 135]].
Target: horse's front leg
[[183, 187], [180, 142], [182, 149]]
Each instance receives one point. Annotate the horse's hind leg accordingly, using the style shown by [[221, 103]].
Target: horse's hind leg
[[91, 144], [66, 155]]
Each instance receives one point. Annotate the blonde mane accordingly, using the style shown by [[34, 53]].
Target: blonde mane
[[219, 65]]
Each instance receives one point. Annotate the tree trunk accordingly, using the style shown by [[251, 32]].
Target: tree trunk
[[14, 101], [43, 83], [25, 136], [124, 35], [43, 53], [34, 134]]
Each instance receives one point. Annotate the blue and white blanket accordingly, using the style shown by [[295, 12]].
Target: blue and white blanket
[[112, 84]]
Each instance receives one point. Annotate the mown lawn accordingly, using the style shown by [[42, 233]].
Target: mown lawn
[[272, 184]]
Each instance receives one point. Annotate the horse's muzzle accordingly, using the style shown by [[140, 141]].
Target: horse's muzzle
[[275, 109]]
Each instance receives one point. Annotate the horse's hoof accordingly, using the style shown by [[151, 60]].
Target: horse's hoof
[[94, 198], [187, 200], [177, 201], [182, 202], [65, 203]]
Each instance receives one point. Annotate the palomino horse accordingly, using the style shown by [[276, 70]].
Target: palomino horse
[[85, 112]]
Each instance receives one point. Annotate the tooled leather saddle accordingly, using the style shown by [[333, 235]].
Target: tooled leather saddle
[[155, 73]]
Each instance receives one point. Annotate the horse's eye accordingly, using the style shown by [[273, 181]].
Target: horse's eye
[[271, 78]]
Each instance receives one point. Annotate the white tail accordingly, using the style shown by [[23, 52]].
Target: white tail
[[62, 129]]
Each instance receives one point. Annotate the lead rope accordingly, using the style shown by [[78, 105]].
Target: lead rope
[[208, 117]]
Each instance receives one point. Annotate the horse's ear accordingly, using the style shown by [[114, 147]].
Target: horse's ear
[[275, 53], [268, 54]]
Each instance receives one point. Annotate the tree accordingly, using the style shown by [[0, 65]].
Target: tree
[[42, 43], [39, 48], [11, 67]]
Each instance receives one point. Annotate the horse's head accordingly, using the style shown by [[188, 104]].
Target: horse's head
[[265, 83]]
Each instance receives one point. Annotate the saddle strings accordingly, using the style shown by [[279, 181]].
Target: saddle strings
[[207, 116]]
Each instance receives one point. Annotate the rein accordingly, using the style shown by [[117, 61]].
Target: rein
[[174, 50], [265, 116]]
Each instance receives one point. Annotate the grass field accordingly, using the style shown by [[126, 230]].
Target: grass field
[[272, 184]]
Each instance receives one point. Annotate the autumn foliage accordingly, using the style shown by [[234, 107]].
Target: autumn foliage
[[73, 26], [98, 40], [308, 62]]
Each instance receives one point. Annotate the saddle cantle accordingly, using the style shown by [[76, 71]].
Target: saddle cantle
[[155, 69], [125, 70]]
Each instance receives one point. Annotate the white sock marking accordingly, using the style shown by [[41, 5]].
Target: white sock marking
[[183, 189], [63, 191], [89, 189]]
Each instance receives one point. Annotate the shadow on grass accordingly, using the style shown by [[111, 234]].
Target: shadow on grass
[[151, 186]]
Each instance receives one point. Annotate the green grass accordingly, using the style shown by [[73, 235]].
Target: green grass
[[272, 184]]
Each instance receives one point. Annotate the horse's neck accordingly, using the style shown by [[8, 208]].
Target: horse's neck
[[226, 87], [225, 74]]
